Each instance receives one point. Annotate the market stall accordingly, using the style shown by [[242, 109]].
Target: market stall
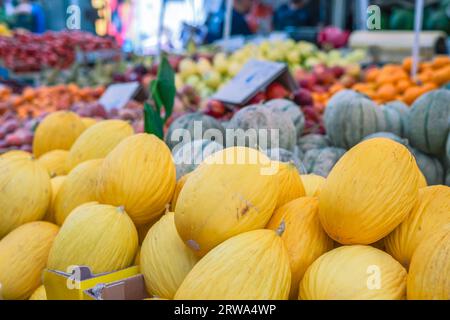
[[258, 167]]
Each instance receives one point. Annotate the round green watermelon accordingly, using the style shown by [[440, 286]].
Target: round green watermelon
[[321, 161], [193, 126], [429, 122], [259, 127]]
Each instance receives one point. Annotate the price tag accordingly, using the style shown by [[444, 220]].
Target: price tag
[[118, 95], [255, 76]]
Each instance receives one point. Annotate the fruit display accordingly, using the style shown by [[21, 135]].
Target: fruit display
[[207, 75], [332, 184], [28, 52], [393, 81]]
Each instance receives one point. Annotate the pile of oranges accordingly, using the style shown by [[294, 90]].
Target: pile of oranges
[[35, 101], [393, 81]]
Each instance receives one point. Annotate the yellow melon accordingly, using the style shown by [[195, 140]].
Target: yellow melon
[[140, 175], [289, 183], [56, 184], [23, 257], [180, 184], [99, 236], [39, 294], [233, 191], [428, 277], [430, 213], [354, 272], [165, 259], [55, 162], [422, 181], [88, 122], [304, 237], [369, 192], [142, 229], [97, 141], [14, 154], [58, 130], [251, 266], [312, 183], [79, 187], [25, 193]]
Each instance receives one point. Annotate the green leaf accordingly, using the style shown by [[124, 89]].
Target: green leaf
[[166, 86], [153, 123]]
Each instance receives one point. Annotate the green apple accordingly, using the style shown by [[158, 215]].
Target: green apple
[[203, 66], [212, 79], [187, 68]]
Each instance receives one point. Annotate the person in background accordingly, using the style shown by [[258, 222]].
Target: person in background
[[30, 15], [293, 14], [239, 25]]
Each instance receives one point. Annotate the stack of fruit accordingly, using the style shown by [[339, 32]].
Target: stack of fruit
[[393, 82], [207, 76], [27, 52], [105, 189]]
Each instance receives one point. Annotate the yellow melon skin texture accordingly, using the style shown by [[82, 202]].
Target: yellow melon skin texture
[[100, 236], [229, 193], [140, 175], [14, 154], [56, 184], [97, 141], [429, 271], [180, 184], [143, 228], [25, 193], [304, 237], [23, 257], [430, 213], [165, 259], [251, 266], [422, 181], [369, 192], [289, 182], [39, 294], [79, 187], [59, 130], [354, 273], [88, 122], [312, 183], [55, 162]]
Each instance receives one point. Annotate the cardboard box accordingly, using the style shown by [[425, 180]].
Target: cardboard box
[[132, 288], [75, 285]]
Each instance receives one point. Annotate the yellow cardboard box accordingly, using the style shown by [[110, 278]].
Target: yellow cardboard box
[[74, 285]]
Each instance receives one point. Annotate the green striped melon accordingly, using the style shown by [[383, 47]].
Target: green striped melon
[[321, 161], [191, 154], [187, 123], [430, 166], [252, 119], [428, 122], [393, 117], [349, 117], [313, 141], [291, 110]]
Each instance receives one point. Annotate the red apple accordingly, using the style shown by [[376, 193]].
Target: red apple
[[215, 109], [276, 91], [303, 97], [258, 98]]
